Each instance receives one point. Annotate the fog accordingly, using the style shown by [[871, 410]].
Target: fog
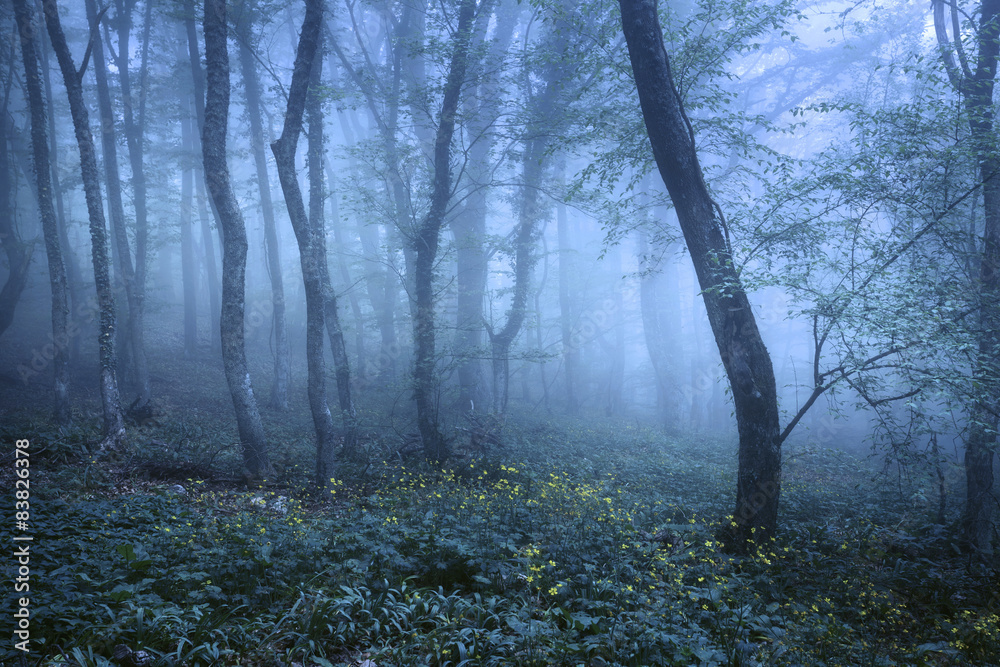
[[623, 254]]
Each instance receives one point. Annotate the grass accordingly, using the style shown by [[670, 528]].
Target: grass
[[578, 544]]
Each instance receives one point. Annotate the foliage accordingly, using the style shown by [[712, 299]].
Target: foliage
[[586, 544]]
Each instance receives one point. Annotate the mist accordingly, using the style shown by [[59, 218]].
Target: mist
[[503, 301]]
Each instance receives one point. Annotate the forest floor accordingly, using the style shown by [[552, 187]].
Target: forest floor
[[576, 542]]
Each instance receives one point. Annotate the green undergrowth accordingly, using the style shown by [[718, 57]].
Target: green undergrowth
[[572, 545]]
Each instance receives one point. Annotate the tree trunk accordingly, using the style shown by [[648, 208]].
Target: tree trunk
[[317, 194], [109, 145], [207, 238], [134, 123], [482, 110], [745, 359], [282, 368], [74, 275], [321, 305], [426, 243], [50, 227], [189, 266], [570, 348], [234, 255], [659, 340], [976, 87], [113, 423], [18, 253], [345, 273]]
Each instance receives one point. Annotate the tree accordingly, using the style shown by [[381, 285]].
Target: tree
[[975, 84], [116, 208], [427, 237], [483, 111], [321, 302], [251, 85], [744, 356], [545, 118], [25, 18], [134, 125], [17, 251], [207, 238], [234, 255], [114, 423]]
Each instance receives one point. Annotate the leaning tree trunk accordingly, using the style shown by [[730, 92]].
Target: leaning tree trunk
[[744, 357], [114, 423], [25, 17], [282, 369], [116, 208], [426, 243], [234, 246], [321, 307]]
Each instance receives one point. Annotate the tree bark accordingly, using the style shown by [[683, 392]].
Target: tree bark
[[426, 243], [234, 255], [744, 356], [25, 18], [282, 368], [113, 423], [109, 145]]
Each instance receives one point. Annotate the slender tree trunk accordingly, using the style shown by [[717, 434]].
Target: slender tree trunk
[[18, 253], [74, 275], [469, 228], [524, 265], [659, 340], [570, 348], [345, 274], [317, 195], [426, 243], [189, 265], [746, 360], [134, 124], [114, 423], [25, 17], [207, 238], [251, 429], [321, 305], [109, 144], [282, 368], [543, 124]]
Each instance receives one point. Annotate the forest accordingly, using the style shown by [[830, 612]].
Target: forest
[[373, 333]]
